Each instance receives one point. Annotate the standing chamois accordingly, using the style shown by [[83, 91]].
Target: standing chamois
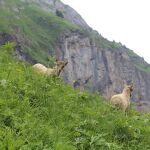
[[122, 100]]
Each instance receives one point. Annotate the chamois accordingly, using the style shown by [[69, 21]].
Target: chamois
[[122, 100], [50, 71]]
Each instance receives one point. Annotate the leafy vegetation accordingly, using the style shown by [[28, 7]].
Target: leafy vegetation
[[139, 63], [43, 113], [36, 29], [102, 42], [131, 53], [142, 67], [59, 14]]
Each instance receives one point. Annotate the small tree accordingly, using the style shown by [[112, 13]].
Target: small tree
[[59, 13]]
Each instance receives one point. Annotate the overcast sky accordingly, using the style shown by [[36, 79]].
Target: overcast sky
[[125, 21]]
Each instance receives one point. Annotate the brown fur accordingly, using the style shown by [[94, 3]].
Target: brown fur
[[50, 71], [122, 100]]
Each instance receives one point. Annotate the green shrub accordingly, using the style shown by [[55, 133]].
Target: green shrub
[[59, 14]]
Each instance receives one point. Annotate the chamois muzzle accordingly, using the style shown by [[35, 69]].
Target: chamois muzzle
[[131, 90]]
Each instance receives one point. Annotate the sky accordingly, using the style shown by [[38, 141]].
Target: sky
[[125, 21]]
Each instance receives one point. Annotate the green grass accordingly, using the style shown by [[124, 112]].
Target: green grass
[[36, 29], [131, 53], [137, 62], [43, 113], [143, 67], [102, 42]]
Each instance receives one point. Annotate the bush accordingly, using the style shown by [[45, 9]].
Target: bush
[[59, 14]]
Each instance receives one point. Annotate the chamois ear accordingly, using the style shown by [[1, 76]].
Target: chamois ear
[[132, 86]]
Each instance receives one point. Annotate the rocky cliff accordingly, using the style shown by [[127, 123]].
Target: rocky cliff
[[95, 63], [102, 69]]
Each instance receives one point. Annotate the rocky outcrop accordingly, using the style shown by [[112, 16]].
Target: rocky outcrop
[[19, 52], [101, 69]]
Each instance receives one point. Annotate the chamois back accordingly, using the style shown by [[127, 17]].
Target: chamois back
[[40, 68]]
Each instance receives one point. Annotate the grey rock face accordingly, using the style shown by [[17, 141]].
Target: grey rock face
[[19, 53], [99, 69]]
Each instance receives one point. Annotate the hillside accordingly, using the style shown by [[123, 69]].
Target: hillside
[[34, 29], [43, 113], [46, 28]]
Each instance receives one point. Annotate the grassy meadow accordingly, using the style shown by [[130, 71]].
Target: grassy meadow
[[43, 113]]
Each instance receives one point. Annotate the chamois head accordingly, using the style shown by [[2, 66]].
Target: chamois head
[[128, 88], [60, 65]]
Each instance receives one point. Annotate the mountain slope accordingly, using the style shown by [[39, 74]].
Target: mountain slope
[[50, 28], [38, 112], [35, 29]]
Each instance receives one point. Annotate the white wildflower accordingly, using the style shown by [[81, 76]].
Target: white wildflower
[[3, 82]]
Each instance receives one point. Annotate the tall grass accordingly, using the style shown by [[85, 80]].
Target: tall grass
[[43, 113]]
